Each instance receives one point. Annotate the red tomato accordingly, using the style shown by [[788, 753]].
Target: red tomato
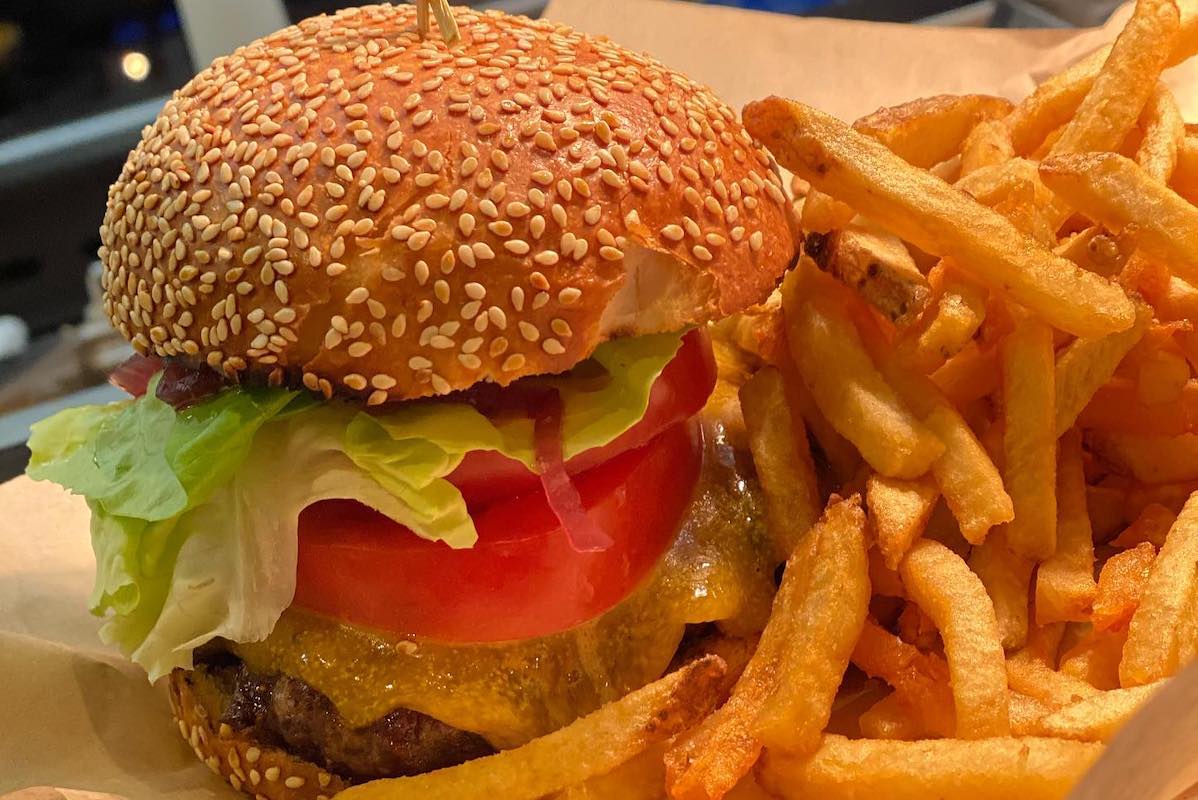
[[679, 392], [522, 578]]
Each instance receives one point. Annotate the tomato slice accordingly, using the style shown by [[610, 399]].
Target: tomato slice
[[679, 392], [523, 578]]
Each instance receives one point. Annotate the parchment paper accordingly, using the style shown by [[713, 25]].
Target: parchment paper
[[73, 714]]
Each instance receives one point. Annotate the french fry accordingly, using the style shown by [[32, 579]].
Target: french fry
[[1098, 718], [945, 329], [1095, 659], [837, 451], [1065, 585], [989, 143], [1028, 674], [823, 214], [568, 756], [948, 769], [941, 583], [639, 778], [1120, 586], [1128, 77], [1108, 513], [917, 628], [936, 218], [1153, 644], [847, 387], [1053, 103], [899, 510], [877, 265], [1029, 438], [1150, 459], [778, 441], [1151, 526], [825, 625], [1085, 365], [969, 375], [883, 580], [1184, 179], [891, 718], [989, 185], [920, 680], [1026, 713], [1007, 578], [1118, 407], [1164, 131], [1116, 192], [1097, 251], [929, 130], [713, 757]]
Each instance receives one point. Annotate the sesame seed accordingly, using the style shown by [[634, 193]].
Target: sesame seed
[[294, 782], [610, 253]]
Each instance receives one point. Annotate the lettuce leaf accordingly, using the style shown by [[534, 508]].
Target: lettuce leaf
[[195, 512]]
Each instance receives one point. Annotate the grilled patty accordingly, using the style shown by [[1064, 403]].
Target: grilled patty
[[284, 711]]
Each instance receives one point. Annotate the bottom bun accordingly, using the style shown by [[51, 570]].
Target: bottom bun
[[261, 771]]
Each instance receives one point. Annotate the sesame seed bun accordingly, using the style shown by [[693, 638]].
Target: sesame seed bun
[[348, 206], [254, 768]]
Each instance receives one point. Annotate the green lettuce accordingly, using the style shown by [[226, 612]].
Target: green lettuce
[[194, 512]]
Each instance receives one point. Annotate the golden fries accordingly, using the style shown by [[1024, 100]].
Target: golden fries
[[1153, 649], [1065, 585], [822, 214], [947, 769], [899, 510], [1030, 438], [934, 217], [1087, 364], [1127, 78], [824, 626], [959, 312], [875, 263], [1164, 131], [1115, 191], [1097, 718], [1007, 577], [989, 143], [943, 586], [847, 387], [930, 130], [778, 441], [920, 680], [568, 756]]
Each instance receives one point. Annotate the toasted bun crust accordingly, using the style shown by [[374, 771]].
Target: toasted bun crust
[[374, 214], [258, 770]]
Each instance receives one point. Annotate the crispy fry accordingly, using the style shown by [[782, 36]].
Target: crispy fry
[[1095, 659], [1121, 585], [1087, 364], [778, 441], [1184, 179], [722, 749], [836, 450], [1097, 250], [1098, 718], [899, 510], [941, 583], [847, 387], [1029, 438], [989, 185], [949, 326], [1053, 103], [1107, 505], [1031, 676], [936, 218], [567, 757], [823, 214], [1065, 585], [1115, 191], [1153, 644], [1127, 79], [947, 769], [988, 143], [929, 130], [1026, 713], [970, 375], [1007, 578], [1152, 526], [891, 718], [1164, 131], [1118, 407], [920, 680], [1151, 459], [877, 265], [825, 623]]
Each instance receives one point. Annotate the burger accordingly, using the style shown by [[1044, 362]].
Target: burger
[[415, 464]]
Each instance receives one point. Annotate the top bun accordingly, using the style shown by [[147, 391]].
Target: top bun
[[348, 205]]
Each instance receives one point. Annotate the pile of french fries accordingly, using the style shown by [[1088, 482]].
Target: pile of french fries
[[975, 421]]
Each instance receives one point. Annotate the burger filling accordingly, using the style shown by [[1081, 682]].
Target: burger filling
[[390, 591]]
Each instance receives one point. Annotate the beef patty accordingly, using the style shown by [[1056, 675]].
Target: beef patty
[[284, 711]]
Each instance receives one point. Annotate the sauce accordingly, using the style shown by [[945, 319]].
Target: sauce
[[718, 569]]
